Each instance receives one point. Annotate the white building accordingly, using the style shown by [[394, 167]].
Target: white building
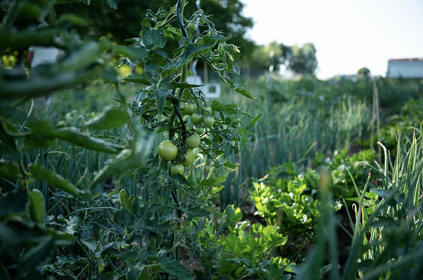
[[210, 90], [405, 68]]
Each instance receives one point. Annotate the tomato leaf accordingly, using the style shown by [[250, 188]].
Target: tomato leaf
[[4, 274], [185, 85], [253, 121], [208, 182], [111, 4], [137, 78], [126, 159], [161, 95], [172, 32], [13, 204], [74, 136], [174, 268], [111, 117], [39, 254], [108, 276], [8, 169], [151, 68], [38, 142], [36, 205], [194, 211], [40, 127], [140, 54], [221, 178], [15, 231], [153, 38], [50, 176], [173, 66], [10, 112]]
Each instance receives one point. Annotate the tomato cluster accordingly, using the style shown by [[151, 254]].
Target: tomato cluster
[[181, 153]]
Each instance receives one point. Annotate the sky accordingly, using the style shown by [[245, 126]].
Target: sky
[[347, 34]]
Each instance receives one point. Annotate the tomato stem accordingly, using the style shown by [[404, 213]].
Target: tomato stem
[[179, 15]]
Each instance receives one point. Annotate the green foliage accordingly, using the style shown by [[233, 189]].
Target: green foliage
[[232, 249], [412, 112], [28, 184], [347, 171], [36, 241], [36, 206], [295, 131], [303, 59], [387, 229], [288, 199], [289, 207], [393, 93], [300, 60], [392, 226], [92, 183], [121, 21], [85, 195], [406, 122], [363, 73]]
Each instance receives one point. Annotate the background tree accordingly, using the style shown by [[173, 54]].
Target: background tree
[[117, 24], [300, 60], [266, 57], [303, 59], [286, 52], [274, 54], [228, 18], [363, 73], [125, 22]]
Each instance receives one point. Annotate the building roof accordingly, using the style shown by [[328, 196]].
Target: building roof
[[406, 59]]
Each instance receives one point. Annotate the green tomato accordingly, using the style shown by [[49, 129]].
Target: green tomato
[[208, 109], [202, 21], [188, 159], [208, 121], [196, 118], [190, 108], [200, 130], [176, 168], [193, 141], [167, 150], [192, 27]]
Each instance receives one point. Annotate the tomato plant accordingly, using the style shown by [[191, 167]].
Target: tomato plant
[[120, 216], [164, 97]]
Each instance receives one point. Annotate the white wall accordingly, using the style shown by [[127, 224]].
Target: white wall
[[405, 68]]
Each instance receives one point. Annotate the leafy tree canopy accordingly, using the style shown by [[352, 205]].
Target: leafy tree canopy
[[300, 60], [363, 73], [303, 59], [125, 21]]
